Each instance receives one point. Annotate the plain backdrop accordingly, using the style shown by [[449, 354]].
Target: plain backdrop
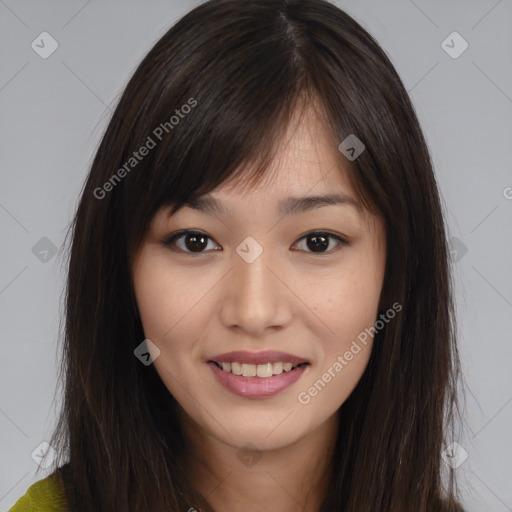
[[55, 107]]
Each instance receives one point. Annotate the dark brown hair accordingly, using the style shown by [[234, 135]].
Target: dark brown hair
[[243, 68]]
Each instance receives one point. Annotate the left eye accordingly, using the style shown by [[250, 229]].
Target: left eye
[[193, 239], [319, 240], [195, 242]]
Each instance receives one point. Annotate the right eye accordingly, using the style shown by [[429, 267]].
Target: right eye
[[193, 242]]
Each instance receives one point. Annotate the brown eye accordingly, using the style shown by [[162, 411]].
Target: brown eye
[[195, 242], [318, 241], [191, 241]]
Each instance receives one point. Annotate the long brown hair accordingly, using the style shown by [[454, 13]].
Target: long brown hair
[[213, 95]]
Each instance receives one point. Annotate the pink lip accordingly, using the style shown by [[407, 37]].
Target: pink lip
[[268, 356], [257, 387]]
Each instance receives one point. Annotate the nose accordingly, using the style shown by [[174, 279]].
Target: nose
[[256, 296]]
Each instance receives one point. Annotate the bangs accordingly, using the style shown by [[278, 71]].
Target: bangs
[[213, 105], [228, 121]]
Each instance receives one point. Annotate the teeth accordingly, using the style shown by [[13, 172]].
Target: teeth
[[277, 368], [261, 370], [264, 370]]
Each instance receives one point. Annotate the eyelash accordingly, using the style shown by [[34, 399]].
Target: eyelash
[[171, 239]]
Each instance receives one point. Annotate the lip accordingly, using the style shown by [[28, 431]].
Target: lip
[[257, 387], [268, 356]]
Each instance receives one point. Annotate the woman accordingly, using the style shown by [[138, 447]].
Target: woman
[[259, 305]]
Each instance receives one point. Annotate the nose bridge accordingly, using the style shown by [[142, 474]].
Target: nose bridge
[[252, 270], [254, 298]]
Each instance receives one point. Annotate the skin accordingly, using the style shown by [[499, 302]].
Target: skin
[[291, 298]]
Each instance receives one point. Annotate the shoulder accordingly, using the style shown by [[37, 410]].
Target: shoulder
[[46, 495]]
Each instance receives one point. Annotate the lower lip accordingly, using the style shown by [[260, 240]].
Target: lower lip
[[257, 387]]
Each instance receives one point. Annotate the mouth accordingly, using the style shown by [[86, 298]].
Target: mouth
[[262, 371], [262, 380]]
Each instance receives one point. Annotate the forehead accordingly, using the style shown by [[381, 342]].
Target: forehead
[[307, 160], [307, 171]]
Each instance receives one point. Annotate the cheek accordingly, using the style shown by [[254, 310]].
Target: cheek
[[166, 299], [350, 318], [347, 302], [348, 305], [349, 309], [165, 307]]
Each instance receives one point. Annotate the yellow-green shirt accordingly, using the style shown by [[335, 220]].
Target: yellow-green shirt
[[46, 495]]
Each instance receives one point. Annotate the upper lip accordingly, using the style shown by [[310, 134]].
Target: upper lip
[[268, 356]]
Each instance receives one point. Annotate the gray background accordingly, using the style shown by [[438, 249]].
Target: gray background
[[54, 110]]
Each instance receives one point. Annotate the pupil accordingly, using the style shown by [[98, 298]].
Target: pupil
[[194, 238], [322, 242]]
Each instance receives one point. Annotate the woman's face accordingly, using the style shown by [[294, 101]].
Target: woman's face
[[266, 273]]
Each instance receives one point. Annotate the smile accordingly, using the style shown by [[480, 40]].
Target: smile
[[257, 370], [254, 382]]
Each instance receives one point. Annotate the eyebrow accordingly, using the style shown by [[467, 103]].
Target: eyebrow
[[289, 206]]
